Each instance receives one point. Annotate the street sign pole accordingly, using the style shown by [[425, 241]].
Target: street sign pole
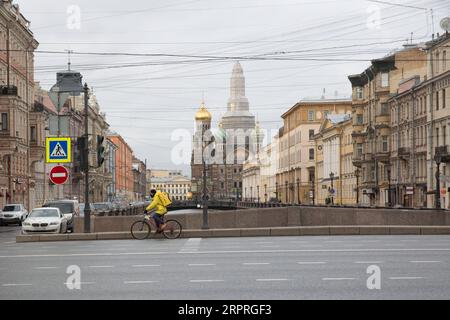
[[87, 209]]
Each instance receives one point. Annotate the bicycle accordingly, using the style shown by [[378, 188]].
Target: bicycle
[[142, 229]]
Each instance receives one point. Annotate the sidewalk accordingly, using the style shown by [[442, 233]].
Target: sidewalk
[[253, 232]]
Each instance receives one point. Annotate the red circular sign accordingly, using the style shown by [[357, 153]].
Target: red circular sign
[[59, 175]]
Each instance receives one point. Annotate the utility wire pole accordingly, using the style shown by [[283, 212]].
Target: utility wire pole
[[87, 209]]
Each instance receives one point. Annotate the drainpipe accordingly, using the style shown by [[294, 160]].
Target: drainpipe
[[397, 187]]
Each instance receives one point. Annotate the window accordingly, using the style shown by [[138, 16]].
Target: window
[[384, 109], [311, 154], [385, 79], [33, 133], [359, 119], [310, 115], [444, 58], [437, 136], [437, 100], [444, 135], [359, 93], [311, 134], [4, 123], [443, 98], [359, 149], [326, 113], [384, 143]]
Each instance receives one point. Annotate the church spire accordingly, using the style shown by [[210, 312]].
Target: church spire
[[237, 101]]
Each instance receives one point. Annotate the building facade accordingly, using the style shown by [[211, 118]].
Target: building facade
[[335, 174], [173, 182], [17, 45], [139, 179], [124, 171], [372, 136], [295, 178]]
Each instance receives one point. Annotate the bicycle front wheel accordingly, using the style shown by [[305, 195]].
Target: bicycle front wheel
[[172, 230], [140, 230]]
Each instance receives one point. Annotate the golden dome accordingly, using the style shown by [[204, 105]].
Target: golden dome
[[203, 113]]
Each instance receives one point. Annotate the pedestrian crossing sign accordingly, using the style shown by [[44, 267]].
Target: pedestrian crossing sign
[[58, 150]]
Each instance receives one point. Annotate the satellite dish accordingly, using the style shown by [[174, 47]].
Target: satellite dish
[[445, 24]]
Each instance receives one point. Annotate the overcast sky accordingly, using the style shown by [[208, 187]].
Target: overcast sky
[[145, 98]]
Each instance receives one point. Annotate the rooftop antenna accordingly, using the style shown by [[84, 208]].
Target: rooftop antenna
[[432, 20], [69, 52], [412, 37]]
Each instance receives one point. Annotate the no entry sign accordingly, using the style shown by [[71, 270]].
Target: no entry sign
[[59, 175]]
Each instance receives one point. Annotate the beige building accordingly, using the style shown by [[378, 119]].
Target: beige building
[[335, 174], [17, 156], [295, 177], [174, 183], [372, 121], [259, 175]]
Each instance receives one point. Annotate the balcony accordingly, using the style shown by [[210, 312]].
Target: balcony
[[404, 153], [442, 151], [8, 91]]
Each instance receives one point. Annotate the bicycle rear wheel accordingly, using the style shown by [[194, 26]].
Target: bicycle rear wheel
[[172, 230], [140, 230]]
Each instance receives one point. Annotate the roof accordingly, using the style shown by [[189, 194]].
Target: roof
[[338, 118], [318, 102]]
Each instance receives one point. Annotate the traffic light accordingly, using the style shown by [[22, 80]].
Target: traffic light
[[80, 157], [100, 151]]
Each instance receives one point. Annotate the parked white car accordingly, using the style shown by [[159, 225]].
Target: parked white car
[[13, 213], [45, 220], [69, 208]]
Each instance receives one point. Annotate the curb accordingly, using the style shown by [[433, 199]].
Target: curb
[[254, 232]]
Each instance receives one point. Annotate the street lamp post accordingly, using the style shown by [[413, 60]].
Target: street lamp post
[[438, 159], [205, 199], [276, 191], [298, 190], [357, 174], [332, 187], [257, 187], [287, 192], [265, 193]]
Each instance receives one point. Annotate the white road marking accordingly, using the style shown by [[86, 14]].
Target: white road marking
[[368, 262], [409, 240], [255, 263], [333, 241], [206, 280], [262, 280], [77, 283], [228, 252], [423, 261], [44, 268], [16, 284], [145, 265], [9, 242], [311, 262], [201, 264], [337, 279], [140, 282], [405, 278], [270, 246], [100, 266]]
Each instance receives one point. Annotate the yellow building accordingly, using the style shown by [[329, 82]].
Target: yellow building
[[296, 150], [335, 174]]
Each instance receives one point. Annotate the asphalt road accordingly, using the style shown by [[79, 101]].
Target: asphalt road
[[332, 267]]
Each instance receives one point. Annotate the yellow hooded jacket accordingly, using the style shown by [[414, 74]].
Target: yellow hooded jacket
[[157, 203]]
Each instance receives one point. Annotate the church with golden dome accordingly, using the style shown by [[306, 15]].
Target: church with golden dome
[[226, 148]]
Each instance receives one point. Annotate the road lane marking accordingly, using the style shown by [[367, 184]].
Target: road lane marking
[[368, 262], [424, 261], [195, 281], [100, 266], [140, 282], [382, 250], [45, 268], [77, 283], [200, 264], [337, 279], [262, 280], [16, 284], [255, 263], [311, 262], [405, 278], [145, 265]]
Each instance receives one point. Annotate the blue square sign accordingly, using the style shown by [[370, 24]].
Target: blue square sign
[[58, 150]]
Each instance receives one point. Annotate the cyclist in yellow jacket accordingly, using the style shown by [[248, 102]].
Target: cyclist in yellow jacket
[[159, 209]]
